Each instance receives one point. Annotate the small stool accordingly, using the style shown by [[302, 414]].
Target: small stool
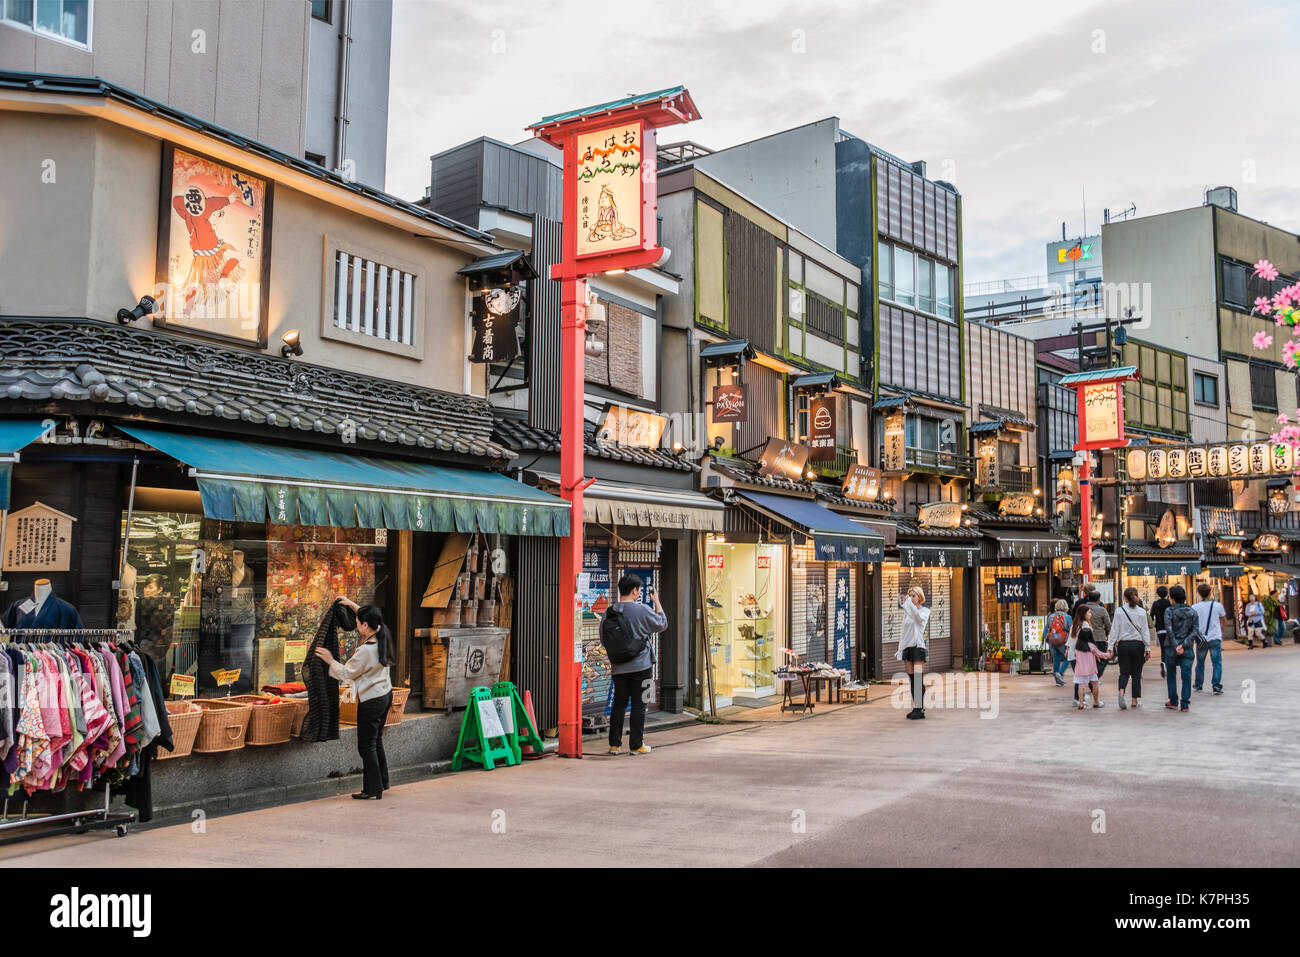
[[853, 695]]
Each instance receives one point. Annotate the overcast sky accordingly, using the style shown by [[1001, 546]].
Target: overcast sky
[[1024, 106]]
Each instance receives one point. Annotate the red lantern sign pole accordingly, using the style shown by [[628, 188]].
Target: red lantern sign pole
[[651, 110]]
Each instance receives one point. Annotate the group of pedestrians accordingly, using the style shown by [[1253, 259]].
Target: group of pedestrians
[[1085, 639]]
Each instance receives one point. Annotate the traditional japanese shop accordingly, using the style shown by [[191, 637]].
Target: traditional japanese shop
[[1017, 549]]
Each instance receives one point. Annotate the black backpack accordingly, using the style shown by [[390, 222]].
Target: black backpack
[[616, 637]]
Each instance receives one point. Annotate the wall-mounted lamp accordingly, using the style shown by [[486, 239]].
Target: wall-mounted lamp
[[810, 475], [292, 344], [717, 443], [142, 308], [1038, 491], [678, 448], [593, 347], [965, 507]]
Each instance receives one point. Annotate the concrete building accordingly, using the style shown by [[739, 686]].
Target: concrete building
[[1069, 291], [307, 77]]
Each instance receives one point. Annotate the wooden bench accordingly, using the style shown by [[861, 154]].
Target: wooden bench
[[853, 695]]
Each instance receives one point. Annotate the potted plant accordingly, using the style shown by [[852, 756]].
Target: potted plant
[[990, 646], [1013, 657]]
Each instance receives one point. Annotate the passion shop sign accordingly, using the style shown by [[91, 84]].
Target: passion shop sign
[[730, 403]]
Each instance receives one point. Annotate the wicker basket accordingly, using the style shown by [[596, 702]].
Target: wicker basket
[[224, 725], [300, 709], [348, 706], [184, 717], [270, 723]]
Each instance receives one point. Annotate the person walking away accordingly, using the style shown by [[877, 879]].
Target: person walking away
[[1254, 614], [1058, 640], [1132, 636], [367, 670], [1210, 619], [1158, 609], [1180, 641], [911, 646], [1086, 655], [1078, 617], [1279, 617], [632, 678], [1101, 626]]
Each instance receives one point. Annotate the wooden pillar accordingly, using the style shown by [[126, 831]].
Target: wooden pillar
[[407, 600]]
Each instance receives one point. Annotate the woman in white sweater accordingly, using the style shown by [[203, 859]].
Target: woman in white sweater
[[367, 670], [1130, 635], [911, 646]]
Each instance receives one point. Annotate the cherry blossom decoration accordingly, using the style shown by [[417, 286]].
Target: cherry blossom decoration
[[1284, 309]]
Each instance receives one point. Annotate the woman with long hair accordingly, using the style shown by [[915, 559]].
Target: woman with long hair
[[367, 670], [911, 646], [1132, 636]]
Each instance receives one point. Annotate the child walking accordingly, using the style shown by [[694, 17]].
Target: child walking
[[1086, 654]]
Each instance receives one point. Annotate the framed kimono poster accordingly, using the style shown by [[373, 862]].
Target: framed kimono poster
[[214, 248]]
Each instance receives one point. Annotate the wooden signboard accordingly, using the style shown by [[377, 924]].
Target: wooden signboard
[[861, 484], [939, 515], [38, 539], [821, 427], [451, 559]]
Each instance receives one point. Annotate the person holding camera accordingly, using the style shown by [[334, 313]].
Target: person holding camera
[[632, 677]]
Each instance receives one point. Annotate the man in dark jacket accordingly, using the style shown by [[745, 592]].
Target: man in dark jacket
[[1180, 648], [1158, 609], [632, 679]]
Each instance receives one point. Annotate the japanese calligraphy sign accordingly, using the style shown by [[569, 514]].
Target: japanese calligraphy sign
[[1017, 590], [610, 189], [495, 314], [862, 484], [38, 539], [840, 657], [1101, 420], [214, 248], [895, 458], [939, 515], [1213, 461], [630, 427], [821, 427], [1017, 503]]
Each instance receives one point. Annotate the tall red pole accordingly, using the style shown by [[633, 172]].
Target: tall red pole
[[573, 323], [1085, 517]]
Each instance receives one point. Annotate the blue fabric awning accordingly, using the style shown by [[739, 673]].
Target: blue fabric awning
[[835, 538], [1191, 566], [15, 434], [1227, 571], [255, 482]]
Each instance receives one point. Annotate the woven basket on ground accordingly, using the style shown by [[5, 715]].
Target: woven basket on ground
[[224, 725], [271, 720], [301, 707], [184, 717]]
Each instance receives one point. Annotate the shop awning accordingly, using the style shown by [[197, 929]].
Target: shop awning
[[886, 530], [15, 435], [1013, 544], [621, 503], [835, 538], [1278, 568], [1160, 569], [1227, 571], [937, 556], [254, 482]]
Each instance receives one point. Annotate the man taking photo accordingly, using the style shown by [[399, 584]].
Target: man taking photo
[[626, 634]]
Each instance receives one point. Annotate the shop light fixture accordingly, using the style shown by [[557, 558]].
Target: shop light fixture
[[810, 475], [142, 308], [292, 344], [615, 272], [965, 507], [1038, 491]]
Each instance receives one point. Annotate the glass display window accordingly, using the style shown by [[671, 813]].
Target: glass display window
[[237, 604], [1002, 619], [745, 596]]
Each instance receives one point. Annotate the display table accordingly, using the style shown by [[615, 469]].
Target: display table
[[833, 685], [788, 700]]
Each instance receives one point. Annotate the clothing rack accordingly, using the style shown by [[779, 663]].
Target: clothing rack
[[25, 827]]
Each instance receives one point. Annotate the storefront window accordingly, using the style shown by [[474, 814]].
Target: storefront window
[[1001, 617], [237, 604], [745, 609]]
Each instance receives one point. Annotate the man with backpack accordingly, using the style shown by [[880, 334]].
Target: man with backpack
[[625, 634], [1158, 609]]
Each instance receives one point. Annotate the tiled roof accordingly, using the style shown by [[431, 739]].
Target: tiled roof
[[832, 494], [512, 431], [742, 471], [79, 360], [991, 517], [912, 529], [1149, 550]]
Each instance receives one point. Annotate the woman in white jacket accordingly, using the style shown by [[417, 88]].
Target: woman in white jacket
[[911, 646], [1130, 636]]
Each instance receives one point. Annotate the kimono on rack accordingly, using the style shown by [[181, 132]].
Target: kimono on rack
[[53, 613]]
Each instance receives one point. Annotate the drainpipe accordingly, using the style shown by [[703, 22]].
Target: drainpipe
[[341, 94]]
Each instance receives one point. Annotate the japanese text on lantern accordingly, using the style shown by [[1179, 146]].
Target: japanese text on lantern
[[1101, 412], [609, 190]]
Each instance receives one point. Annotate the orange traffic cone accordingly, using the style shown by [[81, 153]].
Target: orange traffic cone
[[526, 750]]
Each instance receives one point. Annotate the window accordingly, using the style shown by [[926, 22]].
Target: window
[[932, 435], [885, 271], [924, 284], [1263, 387], [316, 158], [1232, 282], [943, 289], [824, 317], [1207, 388], [64, 19], [904, 277], [1160, 400], [375, 300], [320, 9]]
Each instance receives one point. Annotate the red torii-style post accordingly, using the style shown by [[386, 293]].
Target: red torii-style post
[[609, 156]]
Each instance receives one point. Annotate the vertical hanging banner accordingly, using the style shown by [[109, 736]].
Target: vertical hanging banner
[[821, 428], [495, 314], [840, 656], [895, 443]]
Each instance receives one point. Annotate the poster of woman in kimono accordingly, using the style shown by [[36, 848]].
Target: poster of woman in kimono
[[213, 248]]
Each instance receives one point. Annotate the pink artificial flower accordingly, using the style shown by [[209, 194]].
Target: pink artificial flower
[[1266, 270], [1288, 352], [1263, 305], [1263, 340], [1282, 418], [1282, 299]]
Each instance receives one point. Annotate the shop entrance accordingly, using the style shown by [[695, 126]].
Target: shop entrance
[[745, 612]]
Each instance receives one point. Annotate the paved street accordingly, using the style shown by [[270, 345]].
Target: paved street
[[1219, 786]]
